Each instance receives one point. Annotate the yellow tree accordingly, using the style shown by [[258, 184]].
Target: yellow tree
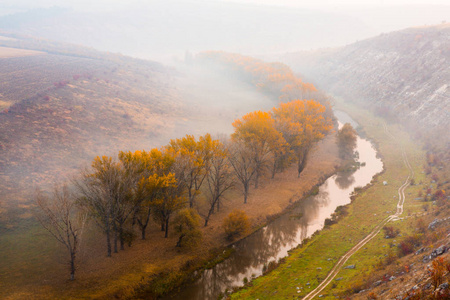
[[257, 132], [150, 174], [302, 123], [168, 201], [191, 162]]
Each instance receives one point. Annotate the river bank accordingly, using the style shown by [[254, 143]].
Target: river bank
[[307, 266]]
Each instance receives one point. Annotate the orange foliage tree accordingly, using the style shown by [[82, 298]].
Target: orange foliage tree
[[302, 123], [257, 132]]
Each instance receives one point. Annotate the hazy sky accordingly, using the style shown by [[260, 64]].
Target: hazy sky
[[113, 4]]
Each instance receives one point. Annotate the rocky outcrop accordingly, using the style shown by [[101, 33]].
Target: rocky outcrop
[[403, 74]]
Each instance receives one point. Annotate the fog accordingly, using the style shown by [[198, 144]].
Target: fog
[[164, 30]]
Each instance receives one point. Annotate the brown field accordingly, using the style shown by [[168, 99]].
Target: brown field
[[6, 52]]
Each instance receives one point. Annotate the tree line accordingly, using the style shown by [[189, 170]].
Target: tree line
[[124, 194]]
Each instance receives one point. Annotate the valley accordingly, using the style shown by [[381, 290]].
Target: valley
[[63, 105]]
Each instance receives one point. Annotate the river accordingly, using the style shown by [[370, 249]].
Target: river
[[272, 242]]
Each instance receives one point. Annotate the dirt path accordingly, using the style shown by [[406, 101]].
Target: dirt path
[[373, 233]]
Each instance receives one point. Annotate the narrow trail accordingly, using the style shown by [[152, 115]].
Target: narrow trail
[[401, 200]]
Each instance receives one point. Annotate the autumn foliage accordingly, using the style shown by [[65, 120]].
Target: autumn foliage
[[236, 223]]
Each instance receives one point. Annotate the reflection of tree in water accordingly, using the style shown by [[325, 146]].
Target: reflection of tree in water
[[257, 250], [344, 179]]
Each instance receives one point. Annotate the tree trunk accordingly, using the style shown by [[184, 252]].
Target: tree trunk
[[302, 161], [163, 228], [115, 242], [108, 242], [72, 266], [211, 210], [167, 228], [179, 240], [143, 232], [274, 169], [245, 193], [121, 238]]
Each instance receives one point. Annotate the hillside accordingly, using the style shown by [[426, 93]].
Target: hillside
[[61, 105], [58, 111], [402, 74]]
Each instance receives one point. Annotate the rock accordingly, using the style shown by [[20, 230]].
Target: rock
[[308, 283], [426, 258], [377, 283], [443, 286], [420, 250], [339, 278], [433, 224], [391, 278], [350, 267], [438, 251]]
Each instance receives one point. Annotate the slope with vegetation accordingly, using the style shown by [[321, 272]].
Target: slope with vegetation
[[401, 75], [83, 105]]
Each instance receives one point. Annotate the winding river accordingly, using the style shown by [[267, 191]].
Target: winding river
[[273, 242]]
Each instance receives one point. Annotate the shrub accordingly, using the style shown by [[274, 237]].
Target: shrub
[[236, 223], [408, 244], [390, 232], [437, 271], [187, 225]]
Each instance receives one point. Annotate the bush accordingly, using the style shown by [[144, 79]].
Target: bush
[[187, 225], [390, 232], [236, 223], [408, 244]]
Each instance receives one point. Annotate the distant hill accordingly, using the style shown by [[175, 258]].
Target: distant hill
[[61, 105], [58, 111], [404, 75]]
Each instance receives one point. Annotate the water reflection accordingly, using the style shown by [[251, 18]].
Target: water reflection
[[344, 179], [275, 240]]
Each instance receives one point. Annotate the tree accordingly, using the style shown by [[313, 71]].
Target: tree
[[302, 123], [346, 139], [61, 218], [168, 201], [236, 223], [244, 166], [192, 162], [187, 225], [257, 132], [105, 193], [219, 178], [149, 172]]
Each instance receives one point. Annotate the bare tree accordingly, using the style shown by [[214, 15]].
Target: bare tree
[[243, 164], [219, 179], [60, 217], [104, 190]]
